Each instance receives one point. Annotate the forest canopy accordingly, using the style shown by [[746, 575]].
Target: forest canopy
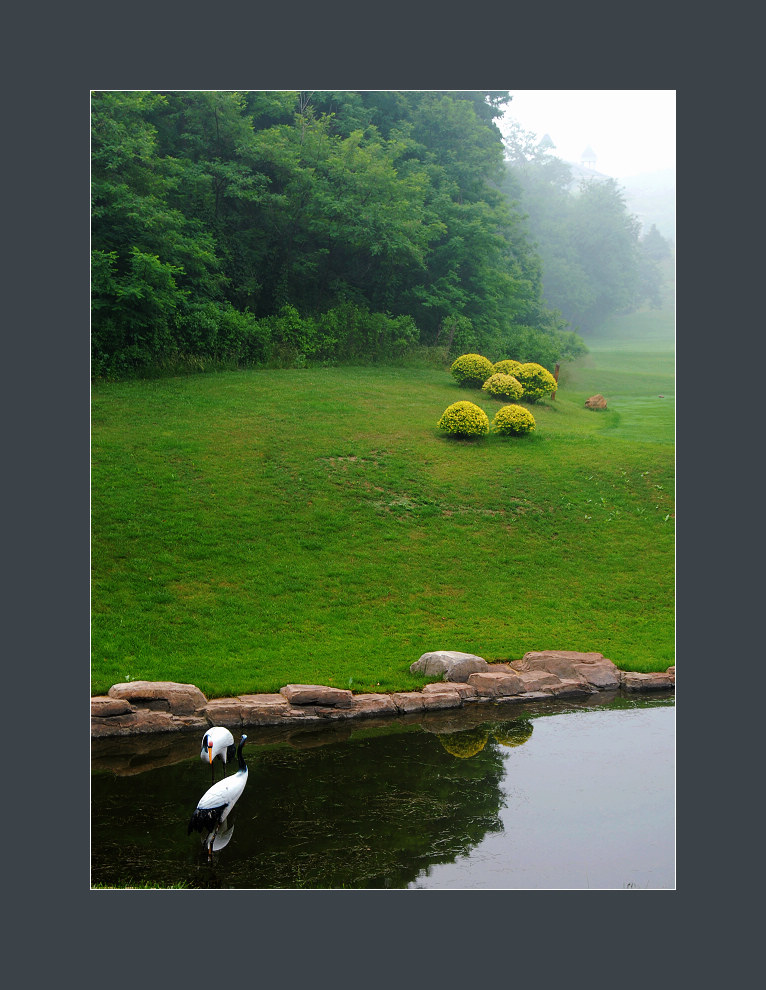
[[279, 227]]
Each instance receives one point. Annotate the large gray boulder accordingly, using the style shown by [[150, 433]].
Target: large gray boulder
[[452, 665]]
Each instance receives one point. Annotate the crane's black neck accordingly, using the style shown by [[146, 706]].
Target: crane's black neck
[[240, 757]]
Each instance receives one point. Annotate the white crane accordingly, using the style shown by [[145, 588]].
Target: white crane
[[217, 742], [216, 803]]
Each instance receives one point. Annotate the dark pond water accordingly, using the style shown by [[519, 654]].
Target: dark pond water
[[496, 796]]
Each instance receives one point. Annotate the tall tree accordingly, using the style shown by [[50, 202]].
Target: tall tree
[[147, 257]]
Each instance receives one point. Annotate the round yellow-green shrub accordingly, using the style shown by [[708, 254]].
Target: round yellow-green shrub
[[536, 381], [506, 367], [471, 370], [503, 387], [464, 419], [513, 421]]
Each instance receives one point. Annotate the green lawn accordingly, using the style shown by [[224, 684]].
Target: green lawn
[[632, 363], [257, 528]]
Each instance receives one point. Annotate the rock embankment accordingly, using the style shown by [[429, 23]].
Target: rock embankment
[[138, 707]]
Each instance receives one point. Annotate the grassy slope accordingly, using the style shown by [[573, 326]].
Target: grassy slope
[[632, 362], [251, 529]]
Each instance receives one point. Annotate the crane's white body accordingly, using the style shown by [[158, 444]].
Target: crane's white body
[[225, 792]]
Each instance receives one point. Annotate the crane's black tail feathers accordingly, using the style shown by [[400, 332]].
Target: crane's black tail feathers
[[205, 819]]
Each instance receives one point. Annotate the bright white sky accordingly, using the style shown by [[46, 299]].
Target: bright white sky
[[632, 131]]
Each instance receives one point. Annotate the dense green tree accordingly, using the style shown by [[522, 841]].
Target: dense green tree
[[241, 222], [148, 257]]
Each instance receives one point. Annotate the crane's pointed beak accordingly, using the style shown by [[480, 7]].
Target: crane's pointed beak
[[210, 753]]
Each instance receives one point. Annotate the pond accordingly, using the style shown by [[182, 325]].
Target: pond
[[492, 796]]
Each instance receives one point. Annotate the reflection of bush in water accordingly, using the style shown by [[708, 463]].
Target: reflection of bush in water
[[467, 743], [512, 733]]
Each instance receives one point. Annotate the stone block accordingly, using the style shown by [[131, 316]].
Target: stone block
[[408, 701], [105, 707], [374, 704], [466, 691], [144, 720], [262, 709], [178, 699], [594, 668], [602, 674], [317, 694], [496, 684], [538, 680], [572, 686], [655, 681], [224, 711], [440, 699]]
